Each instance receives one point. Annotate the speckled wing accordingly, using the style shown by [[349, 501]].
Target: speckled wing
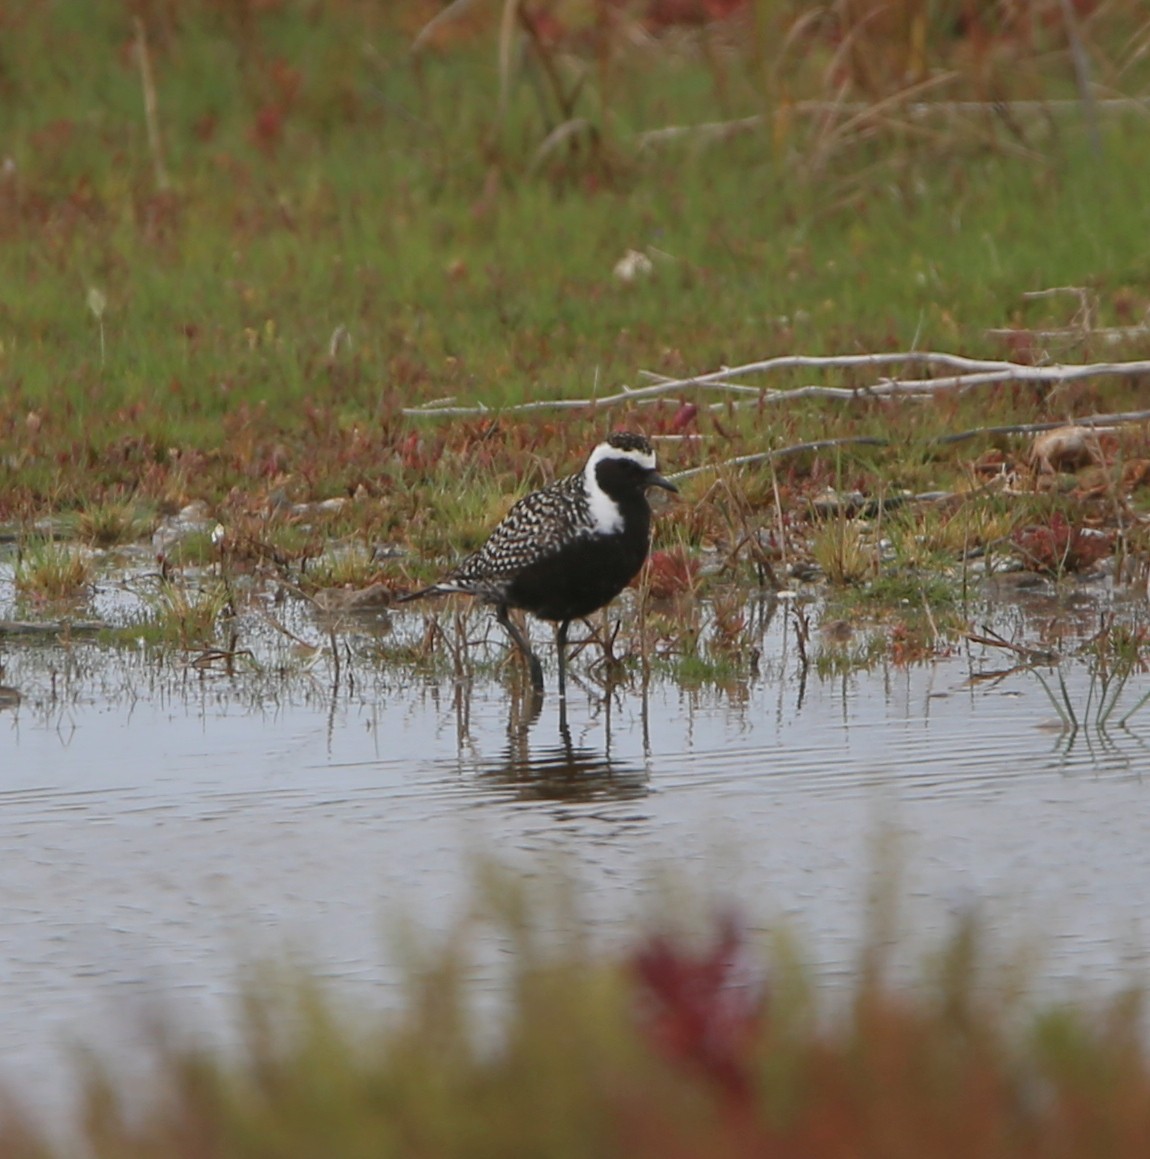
[[536, 527]]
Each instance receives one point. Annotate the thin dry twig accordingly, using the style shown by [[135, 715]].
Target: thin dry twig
[[782, 453], [444, 16], [52, 628], [1080, 328], [1093, 421], [1082, 76], [914, 109], [872, 113], [1111, 335], [151, 107], [989, 638], [506, 52]]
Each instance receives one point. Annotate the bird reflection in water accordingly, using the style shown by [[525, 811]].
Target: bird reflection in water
[[562, 771]]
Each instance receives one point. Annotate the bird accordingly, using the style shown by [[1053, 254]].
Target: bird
[[566, 550]]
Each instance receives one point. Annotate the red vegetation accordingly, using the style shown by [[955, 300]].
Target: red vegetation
[[267, 128], [910, 647], [701, 1009], [685, 416], [1059, 546], [670, 573], [666, 13]]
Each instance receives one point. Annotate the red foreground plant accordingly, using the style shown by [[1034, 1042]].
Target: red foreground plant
[[703, 1009]]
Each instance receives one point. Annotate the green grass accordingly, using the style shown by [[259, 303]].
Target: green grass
[[107, 525], [356, 217], [351, 230], [343, 565], [695, 671], [916, 590], [183, 612], [841, 549], [52, 571]]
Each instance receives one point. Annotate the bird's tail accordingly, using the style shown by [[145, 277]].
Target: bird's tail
[[407, 597], [439, 589]]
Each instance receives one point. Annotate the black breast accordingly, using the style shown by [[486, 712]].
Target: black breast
[[588, 571]]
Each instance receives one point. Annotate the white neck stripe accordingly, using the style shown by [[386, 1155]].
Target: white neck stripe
[[606, 518]]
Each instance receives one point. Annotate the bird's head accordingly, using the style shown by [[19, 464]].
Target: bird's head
[[625, 462]]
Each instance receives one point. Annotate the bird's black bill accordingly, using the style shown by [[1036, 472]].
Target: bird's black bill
[[654, 479]]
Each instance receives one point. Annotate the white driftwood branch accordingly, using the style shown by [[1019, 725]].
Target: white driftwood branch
[[971, 372]]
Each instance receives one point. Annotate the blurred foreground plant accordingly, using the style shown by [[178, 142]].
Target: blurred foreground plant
[[687, 1045]]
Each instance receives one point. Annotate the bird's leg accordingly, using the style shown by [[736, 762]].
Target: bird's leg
[[524, 647], [561, 648]]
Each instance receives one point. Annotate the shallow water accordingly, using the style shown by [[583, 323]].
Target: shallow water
[[162, 825]]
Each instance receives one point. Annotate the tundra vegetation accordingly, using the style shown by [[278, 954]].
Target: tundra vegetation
[[323, 286]]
